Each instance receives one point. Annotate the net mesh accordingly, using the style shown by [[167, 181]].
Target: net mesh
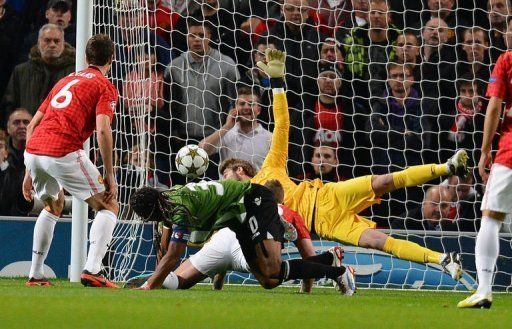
[[373, 87]]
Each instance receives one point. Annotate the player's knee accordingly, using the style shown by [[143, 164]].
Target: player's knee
[[55, 207]]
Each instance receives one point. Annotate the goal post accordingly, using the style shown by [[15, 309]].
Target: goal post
[[84, 27], [164, 105]]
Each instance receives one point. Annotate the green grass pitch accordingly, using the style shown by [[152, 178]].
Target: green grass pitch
[[69, 305]]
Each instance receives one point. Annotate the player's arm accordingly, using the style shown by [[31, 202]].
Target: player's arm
[[492, 119], [36, 120], [306, 249], [274, 68], [497, 91], [210, 143], [176, 247], [105, 144]]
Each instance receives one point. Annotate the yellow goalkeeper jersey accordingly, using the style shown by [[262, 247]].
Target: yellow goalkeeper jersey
[[301, 197]]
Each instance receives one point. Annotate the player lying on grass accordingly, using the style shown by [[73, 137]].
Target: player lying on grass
[[250, 210], [222, 253], [76, 106], [332, 210]]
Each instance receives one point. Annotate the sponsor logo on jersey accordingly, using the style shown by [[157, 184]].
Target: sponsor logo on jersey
[[257, 201]]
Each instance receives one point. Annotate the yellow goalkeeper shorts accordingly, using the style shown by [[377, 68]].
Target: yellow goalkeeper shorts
[[337, 208]]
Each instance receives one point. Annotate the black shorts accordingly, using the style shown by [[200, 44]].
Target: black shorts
[[261, 223]]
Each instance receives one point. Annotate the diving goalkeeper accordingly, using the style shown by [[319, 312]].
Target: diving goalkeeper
[[332, 210]]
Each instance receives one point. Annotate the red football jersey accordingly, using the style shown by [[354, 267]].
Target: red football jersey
[[70, 111], [500, 85], [296, 220]]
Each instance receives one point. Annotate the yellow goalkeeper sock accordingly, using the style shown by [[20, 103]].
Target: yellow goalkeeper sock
[[417, 175], [407, 250]]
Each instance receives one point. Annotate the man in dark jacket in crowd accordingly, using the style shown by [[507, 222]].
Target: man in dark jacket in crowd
[[58, 12], [12, 202], [50, 60]]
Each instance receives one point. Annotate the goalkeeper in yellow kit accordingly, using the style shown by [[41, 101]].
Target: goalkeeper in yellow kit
[[332, 210]]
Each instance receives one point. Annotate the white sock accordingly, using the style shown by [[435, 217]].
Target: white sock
[[43, 235], [171, 281], [487, 249], [99, 238]]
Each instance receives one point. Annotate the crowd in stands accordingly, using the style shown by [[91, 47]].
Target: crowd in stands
[[373, 86]]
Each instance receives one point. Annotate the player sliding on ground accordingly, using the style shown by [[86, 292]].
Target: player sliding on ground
[[77, 104], [332, 210], [250, 210], [222, 253]]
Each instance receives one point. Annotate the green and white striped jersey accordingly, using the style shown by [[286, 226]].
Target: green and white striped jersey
[[209, 206]]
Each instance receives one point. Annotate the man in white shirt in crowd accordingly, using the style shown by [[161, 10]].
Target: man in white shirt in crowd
[[242, 136]]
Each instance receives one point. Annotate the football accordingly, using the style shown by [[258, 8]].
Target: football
[[191, 161]]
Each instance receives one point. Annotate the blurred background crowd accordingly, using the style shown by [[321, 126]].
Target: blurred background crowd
[[373, 86]]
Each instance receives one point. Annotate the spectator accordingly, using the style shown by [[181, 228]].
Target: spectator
[[461, 125], [445, 11], [58, 12], [395, 125], [143, 88], [331, 51], [465, 209], [474, 58], [328, 15], [437, 84], [296, 35], [498, 10], [3, 154], [226, 33], [255, 78], [431, 215], [241, 137], [12, 202], [324, 165], [131, 37], [358, 18], [10, 36], [50, 60], [408, 52], [328, 120], [161, 19], [200, 86], [367, 52]]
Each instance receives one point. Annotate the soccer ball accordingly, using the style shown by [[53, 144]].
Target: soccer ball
[[192, 161]]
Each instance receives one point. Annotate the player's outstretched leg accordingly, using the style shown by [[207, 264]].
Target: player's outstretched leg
[[408, 250], [418, 175]]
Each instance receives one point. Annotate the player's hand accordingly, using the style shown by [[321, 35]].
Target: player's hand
[[145, 286], [27, 187], [110, 188], [483, 165], [231, 119], [274, 67]]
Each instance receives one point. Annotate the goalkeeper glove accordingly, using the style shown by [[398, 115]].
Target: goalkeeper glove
[[275, 63]]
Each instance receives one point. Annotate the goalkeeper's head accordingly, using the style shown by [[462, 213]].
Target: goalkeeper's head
[[150, 204]]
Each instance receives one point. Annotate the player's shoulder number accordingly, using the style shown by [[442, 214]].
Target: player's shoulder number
[[63, 98], [219, 189]]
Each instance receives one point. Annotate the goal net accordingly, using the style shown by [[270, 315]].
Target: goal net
[[372, 86]]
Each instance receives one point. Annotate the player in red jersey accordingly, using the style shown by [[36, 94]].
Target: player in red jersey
[[77, 104], [497, 200]]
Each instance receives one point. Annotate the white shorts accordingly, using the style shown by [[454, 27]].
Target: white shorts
[[498, 192], [222, 253], [73, 172]]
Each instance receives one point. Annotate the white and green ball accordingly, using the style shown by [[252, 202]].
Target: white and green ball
[[192, 161]]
